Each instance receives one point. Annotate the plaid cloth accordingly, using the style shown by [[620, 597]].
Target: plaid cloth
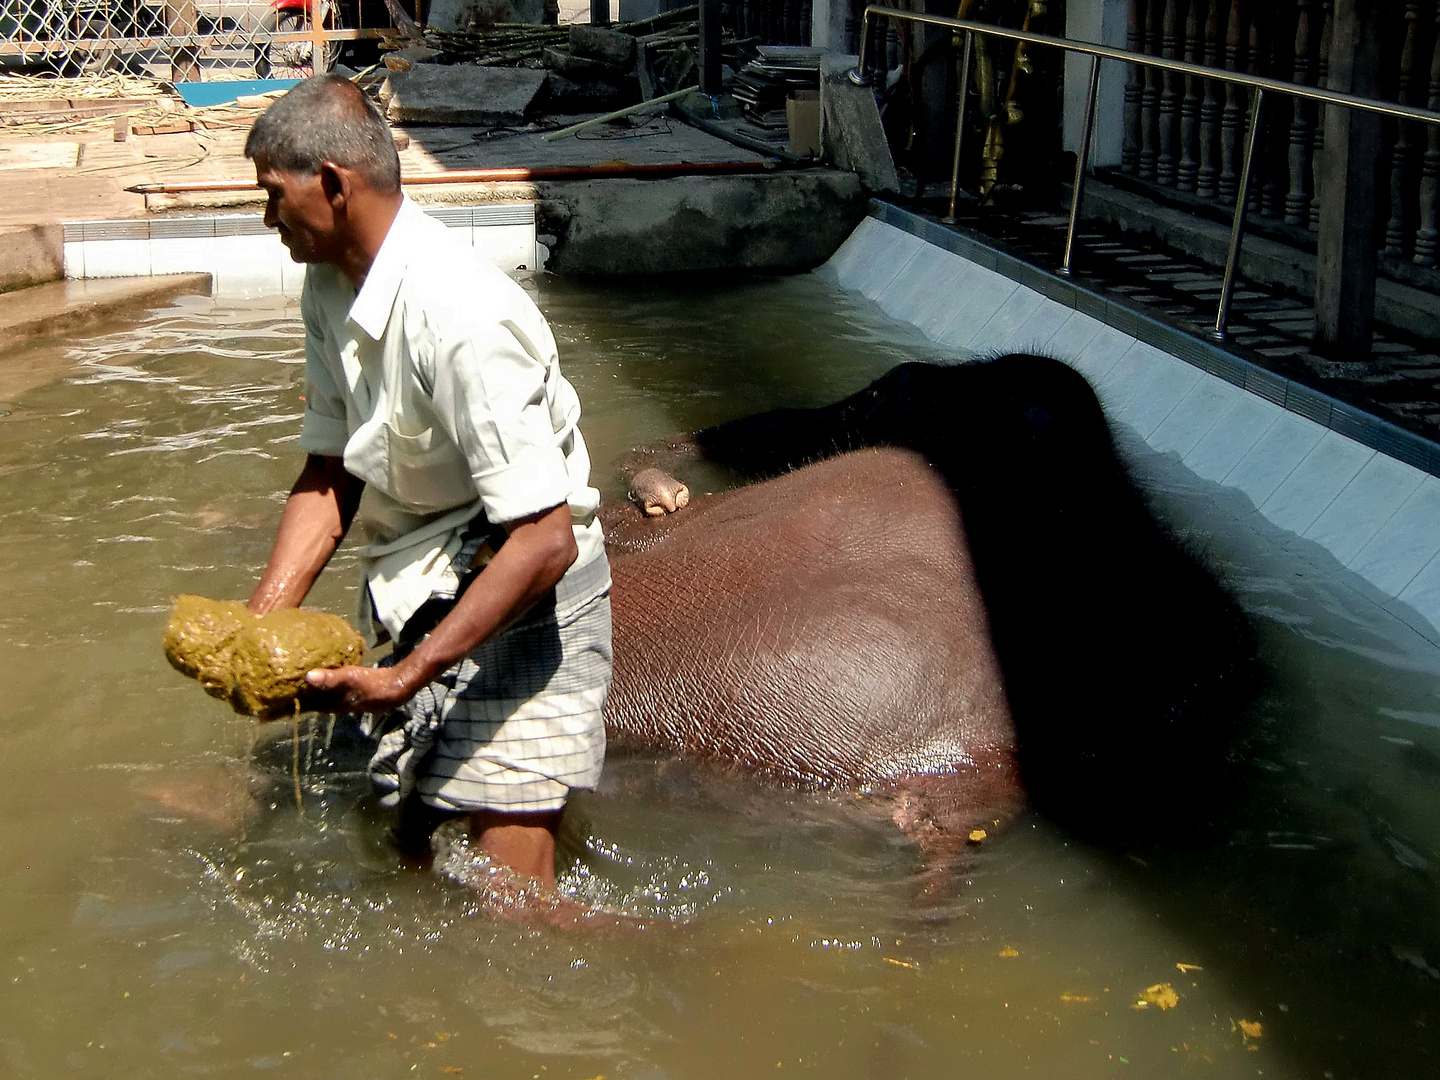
[[515, 724]]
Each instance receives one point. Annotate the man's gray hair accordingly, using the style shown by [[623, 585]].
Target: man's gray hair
[[327, 118]]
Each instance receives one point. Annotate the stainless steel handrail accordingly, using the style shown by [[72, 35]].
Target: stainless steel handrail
[[1258, 83]]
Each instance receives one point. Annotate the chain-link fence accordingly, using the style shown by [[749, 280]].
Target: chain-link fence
[[186, 40]]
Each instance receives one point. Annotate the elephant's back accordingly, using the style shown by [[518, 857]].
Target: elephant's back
[[822, 627]]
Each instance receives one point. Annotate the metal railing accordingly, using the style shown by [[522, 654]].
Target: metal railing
[[1259, 84]]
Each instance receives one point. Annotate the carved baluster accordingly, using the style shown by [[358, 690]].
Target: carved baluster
[[1322, 79], [1214, 103], [1400, 227], [1232, 117], [1190, 104], [1428, 238], [1277, 63], [1170, 27], [1257, 66], [1134, 87], [1150, 95], [1297, 200]]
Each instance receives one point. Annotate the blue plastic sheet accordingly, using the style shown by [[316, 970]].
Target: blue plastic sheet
[[199, 94]]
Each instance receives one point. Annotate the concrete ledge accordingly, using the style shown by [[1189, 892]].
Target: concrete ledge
[[65, 306], [775, 221], [30, 255], [1262, 260]]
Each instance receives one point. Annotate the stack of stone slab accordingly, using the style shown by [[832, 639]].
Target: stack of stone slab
[[594, 73]]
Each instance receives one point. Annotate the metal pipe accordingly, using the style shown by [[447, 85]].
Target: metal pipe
[[1082, 160], [492, 176], [1237, 227], [960, 125], [743, 141], [551, 136], [224, 39], [1184, 67], [859, 75]]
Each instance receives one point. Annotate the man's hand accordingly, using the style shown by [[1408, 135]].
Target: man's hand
[[359, 689]]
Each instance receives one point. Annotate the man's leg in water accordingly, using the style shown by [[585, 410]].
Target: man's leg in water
[[524, 843], [415, 823]]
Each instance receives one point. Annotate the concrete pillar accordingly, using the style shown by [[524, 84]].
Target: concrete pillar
[[827, 24], [1103, 23], [1345, 246]]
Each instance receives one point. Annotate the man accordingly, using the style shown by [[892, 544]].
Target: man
[[433, 388]]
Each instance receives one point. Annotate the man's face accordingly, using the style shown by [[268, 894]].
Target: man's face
[[299, 209]]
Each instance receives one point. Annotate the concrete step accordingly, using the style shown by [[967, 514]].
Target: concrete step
[[61, 307]]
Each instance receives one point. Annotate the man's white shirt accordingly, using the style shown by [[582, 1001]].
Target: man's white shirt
[[439, 386]]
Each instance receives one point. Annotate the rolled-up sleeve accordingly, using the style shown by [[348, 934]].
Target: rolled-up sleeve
[[491, 392], [323, 429]]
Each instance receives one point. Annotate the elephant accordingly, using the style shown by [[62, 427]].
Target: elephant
[[945, 590], [944, 594]]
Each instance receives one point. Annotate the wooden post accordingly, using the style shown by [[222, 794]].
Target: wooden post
[[182, 18], [1345, 247], [319, 12], [710, 47]]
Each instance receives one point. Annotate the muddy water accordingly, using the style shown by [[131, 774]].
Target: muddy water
[[166, 909]]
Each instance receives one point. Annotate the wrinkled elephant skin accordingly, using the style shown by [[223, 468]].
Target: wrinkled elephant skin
[[950, 591]]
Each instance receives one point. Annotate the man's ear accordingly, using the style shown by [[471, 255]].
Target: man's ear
[[337, 183]]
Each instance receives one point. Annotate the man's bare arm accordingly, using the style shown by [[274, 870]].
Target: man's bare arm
[[536, 553], [317, 515]]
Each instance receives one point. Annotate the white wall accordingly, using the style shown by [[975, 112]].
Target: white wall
[[827, 24], [1101, 22]]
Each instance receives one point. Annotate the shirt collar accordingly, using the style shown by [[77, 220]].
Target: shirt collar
[[373, 303]]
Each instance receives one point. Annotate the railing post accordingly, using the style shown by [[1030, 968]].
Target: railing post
[[1082, 159], [960, 124], [861, 75], [1237, 227], [599, 13]]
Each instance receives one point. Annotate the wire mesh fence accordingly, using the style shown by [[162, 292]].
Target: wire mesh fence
[[187, 40]]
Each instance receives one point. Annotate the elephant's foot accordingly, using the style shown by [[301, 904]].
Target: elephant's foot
[[221, 797], [657, 493], [950, 818]]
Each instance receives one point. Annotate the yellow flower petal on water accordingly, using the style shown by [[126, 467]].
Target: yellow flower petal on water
[[1162, 995], [899, 963], [1189, 967], [1252, 1029], [1075, 999], [1009, 951], [977, 835]]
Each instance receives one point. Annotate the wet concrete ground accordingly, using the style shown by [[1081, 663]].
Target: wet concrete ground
[[94, 188]]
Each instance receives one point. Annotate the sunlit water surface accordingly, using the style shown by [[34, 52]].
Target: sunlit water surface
[[167, 910]]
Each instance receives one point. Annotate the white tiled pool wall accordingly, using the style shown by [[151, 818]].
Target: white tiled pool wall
[[1287, 448], [246, 259]]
